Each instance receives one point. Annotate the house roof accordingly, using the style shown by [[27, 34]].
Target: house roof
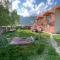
[[39, 17], [47, 13], [51, 11]]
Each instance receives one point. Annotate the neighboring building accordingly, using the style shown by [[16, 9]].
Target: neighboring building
[[7, 29], [49, 21]]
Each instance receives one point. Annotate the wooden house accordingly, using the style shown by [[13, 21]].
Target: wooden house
[[49, 21]]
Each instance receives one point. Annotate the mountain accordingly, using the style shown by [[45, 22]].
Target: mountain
[[27, 20]]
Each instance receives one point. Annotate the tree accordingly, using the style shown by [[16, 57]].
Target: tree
[[15, 18], [4, 2], [6, 19], [4, 16]]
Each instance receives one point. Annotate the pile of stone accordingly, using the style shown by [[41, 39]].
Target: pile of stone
[[21, 41]]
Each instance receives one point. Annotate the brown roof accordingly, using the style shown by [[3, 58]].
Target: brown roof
[[39, 17], [47, 13]]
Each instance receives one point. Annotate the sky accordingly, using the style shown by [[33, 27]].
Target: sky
[[28, 8]]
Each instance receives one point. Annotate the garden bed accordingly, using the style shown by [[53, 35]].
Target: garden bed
[[40, 47]]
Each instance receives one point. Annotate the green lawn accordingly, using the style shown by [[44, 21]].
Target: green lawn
[[39, 50], [19, 33], [57, 37]]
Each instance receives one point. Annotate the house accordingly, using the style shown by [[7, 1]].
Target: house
[[49, 21], [57, 19]]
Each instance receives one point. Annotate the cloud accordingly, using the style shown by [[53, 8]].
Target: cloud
[[39, 8], [29, 4], [30, 1], [25, 13], [15, 4], [49, 2], [30, 7], [26, 8]]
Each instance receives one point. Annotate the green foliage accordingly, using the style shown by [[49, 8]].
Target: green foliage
[[57, 37], [3, 41], [51, 51], [5, 4], [14, 18], [6, 19], [25, 33], [9, 34], [40, 47], [19, 33]]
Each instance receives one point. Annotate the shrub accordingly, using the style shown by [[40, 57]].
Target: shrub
[[25, 33], [3, 41], [41, 49]]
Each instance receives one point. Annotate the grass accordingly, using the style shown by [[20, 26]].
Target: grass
[[19, 33], [39, 50], [57, 37]]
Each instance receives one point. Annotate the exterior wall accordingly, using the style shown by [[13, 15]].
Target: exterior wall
[[50, 24], [52, 21], [57, 21], [46, 24]]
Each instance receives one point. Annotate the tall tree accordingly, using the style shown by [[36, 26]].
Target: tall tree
[[4, 16], [15, 18], [6, 19]]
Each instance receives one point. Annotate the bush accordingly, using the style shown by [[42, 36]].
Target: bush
[[3, 41], [57, 37], [25, 33], [41, 49]]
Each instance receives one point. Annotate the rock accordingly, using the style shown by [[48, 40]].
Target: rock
[[21, 41]]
